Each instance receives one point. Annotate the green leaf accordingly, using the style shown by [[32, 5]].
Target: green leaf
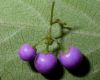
[[27, 21]]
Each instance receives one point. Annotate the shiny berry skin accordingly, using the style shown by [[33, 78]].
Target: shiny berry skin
[[72, 58], [45, 63], [27, 52]]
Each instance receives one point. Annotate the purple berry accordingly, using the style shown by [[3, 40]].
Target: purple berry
[[72, 58], [27, 52], [45, 63]]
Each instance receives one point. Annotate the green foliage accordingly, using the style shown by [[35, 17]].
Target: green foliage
[[27, 21]]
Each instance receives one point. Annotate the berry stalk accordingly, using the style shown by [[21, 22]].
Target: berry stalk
[[52, 11], [49, 39]]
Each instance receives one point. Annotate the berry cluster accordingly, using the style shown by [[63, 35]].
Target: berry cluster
[[45, 63]]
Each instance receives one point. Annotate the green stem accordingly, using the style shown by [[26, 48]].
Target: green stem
[[52, 11], [47, 48], [49, 36], [51, 18]]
